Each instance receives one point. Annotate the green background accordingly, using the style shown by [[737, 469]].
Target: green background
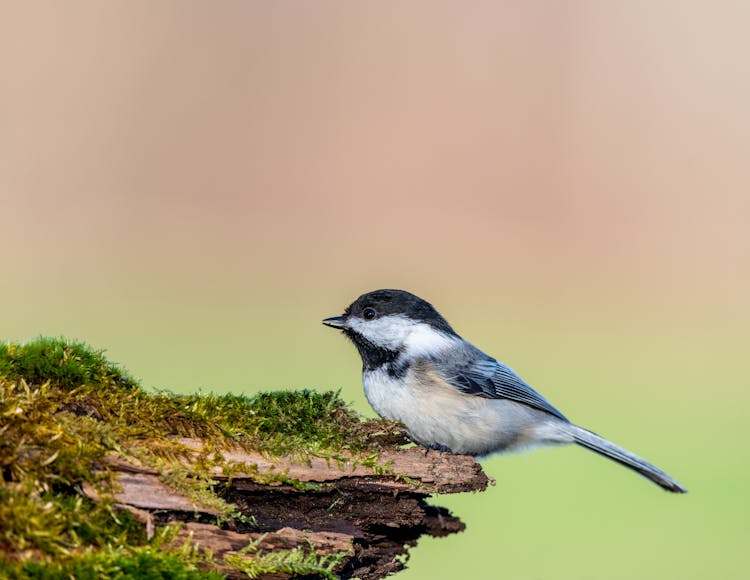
[[193, 187]]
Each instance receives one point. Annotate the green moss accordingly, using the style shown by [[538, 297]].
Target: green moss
[[69, 364], [64, 407], [118, 563]]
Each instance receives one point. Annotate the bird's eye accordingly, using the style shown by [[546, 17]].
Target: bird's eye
[[369, 313]]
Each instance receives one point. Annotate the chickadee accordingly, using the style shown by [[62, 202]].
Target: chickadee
[[449, 394]]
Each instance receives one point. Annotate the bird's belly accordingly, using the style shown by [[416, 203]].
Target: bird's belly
[[436, 414]]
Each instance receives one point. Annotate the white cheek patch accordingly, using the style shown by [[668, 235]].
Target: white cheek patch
[[388, 332], [395, 332]]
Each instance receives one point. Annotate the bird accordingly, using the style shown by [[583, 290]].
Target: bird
[[450, 395]]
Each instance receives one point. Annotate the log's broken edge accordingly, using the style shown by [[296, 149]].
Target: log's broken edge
[[414, 471]]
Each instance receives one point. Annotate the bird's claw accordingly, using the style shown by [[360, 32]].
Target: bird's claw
[[441, 448]]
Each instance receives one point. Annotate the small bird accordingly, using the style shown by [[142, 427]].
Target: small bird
[[449, 394]]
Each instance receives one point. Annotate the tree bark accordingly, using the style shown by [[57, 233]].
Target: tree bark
[[373, 515]]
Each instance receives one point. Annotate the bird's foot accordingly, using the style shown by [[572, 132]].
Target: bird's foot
[[441, 448]]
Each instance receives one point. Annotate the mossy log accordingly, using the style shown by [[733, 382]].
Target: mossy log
[[370, 514], [101, 477]]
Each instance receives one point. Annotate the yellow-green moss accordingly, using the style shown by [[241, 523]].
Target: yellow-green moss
[[159, 559], [64, 407]]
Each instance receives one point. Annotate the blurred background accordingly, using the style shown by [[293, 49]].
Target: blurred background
[[193, 186]]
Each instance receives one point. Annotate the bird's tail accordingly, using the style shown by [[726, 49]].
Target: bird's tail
[[614, 452]]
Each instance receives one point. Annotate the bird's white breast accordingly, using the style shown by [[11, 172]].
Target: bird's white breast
[[435, 413]]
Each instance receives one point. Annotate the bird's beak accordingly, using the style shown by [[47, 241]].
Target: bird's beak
[[335, 322]]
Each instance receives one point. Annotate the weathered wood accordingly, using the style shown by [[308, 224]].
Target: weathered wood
[[145, 490], [413, 469], [373, 514]]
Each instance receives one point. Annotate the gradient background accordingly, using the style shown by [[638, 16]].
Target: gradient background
[[194, 185]]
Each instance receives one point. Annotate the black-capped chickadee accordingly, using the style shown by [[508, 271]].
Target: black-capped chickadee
[[449, 394]]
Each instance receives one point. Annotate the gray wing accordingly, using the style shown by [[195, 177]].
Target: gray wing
[[482, 375]]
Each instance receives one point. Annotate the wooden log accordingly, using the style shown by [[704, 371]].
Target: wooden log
[[414, 469], [372, 513]]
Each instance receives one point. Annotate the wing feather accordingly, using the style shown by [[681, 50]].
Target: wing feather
[[484, 376]]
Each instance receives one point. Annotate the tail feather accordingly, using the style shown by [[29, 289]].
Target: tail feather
[[616, 453]]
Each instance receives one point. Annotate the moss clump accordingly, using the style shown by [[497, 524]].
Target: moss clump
[[278, 422], [68, 364], [154, 561], [64, 408], [117, 564]]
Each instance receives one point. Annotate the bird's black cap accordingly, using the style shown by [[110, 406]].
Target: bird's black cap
[[392, 302]]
